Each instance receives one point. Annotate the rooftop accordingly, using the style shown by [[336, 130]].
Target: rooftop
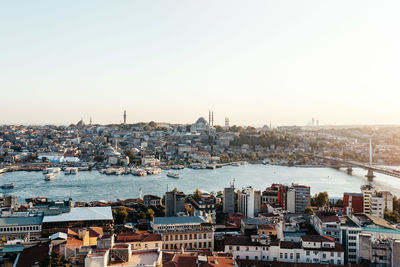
[[178, 220], [21, 220], [82, 214]]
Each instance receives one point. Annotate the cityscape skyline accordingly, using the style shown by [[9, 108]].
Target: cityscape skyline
[[254, 62]]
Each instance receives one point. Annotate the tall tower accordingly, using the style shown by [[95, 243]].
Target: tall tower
[[226, 123], [124, 116], [212, 118], [90, 121], [209, 118]]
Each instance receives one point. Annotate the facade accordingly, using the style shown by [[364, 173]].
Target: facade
[[191, 232], [312, 249], [204, 206], [270, 195], [350, 232], [151, 200], [377, 206], [174, 203], [378, 251], [367, 191], [302, 197], [327, 224], [354, 202], [249, 202], [21, 225], [229, 200]]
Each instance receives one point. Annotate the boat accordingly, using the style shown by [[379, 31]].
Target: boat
[[211, 166], [51, 170], [50, 176], [67, 171], [74, 170], [139, 172], [235, 164], [7, 186], [173, 175]]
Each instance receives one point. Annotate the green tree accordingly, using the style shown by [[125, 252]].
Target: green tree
[[339, 203], [392, 216], [54, 260], [120, 214], [320, 199], [99, 158], [197, 193], [308, 210], [150, 214]]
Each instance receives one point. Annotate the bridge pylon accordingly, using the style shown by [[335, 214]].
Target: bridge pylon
[[349, 170], [370, 174]]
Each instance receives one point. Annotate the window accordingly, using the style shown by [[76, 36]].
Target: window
[[204, 236], [156, 245], [230, 248], [237, 248], [181, 237], [247, 248], [281, 255], [308, 253], [332, 254], [247, 257], [166, 246], [195, 236], [324, 256], [285, 255], [297, 256], [256, 258], [166, 238], [209, 244]]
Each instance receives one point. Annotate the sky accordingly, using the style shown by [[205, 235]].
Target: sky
[[255, 62]]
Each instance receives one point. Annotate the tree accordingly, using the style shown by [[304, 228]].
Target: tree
[[54, 260], [320, 199], [339, 203], [392, 216], [396, 203], [308, 210], [99, 158], [197, 193], [150, 214], [120, 214], [152, 124]]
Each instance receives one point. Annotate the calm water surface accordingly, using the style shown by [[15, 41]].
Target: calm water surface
[[90, 186]]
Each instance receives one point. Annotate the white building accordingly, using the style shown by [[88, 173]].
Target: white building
[[188, 232], [312, 249], [249, 202], [367, 191], [377, 206]]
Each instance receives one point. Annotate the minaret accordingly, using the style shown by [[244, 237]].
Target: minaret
[[209, 118], [90, 121], [124, 117]]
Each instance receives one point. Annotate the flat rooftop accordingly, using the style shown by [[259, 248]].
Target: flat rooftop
[[82, 214], [178, 220]]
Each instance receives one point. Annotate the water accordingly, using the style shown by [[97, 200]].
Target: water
[[90, 186]]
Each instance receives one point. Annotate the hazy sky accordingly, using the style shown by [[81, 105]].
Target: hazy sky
[[253, 61]]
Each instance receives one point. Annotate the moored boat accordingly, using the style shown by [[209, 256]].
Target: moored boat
[[50, 176], [173, 175], [7, 186]]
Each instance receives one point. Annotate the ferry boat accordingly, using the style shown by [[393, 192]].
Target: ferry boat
[[139, 172], [51, 170], [68, 171], [50, 176], [173, 175], [7, 186]]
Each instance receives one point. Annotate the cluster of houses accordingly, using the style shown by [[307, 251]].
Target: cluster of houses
[[246, 227]]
